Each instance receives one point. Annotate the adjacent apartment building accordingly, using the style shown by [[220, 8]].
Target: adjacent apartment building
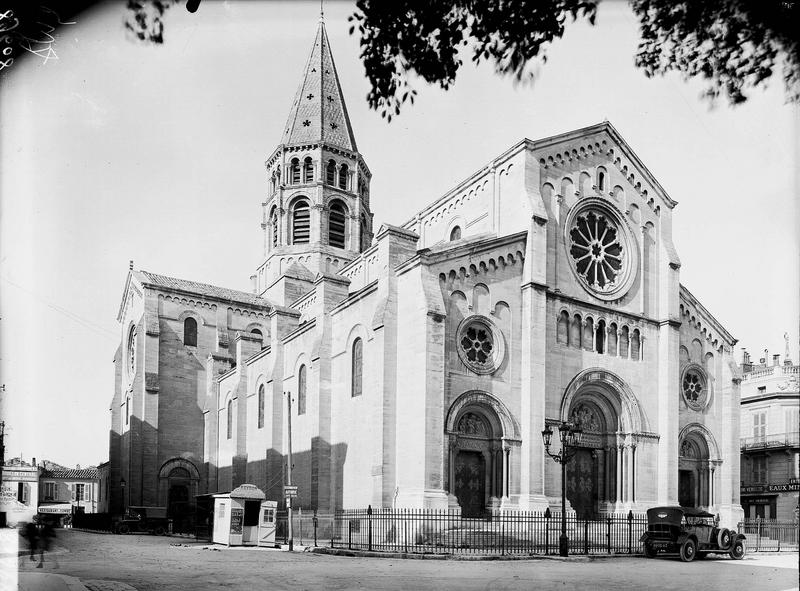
[[770, 442]]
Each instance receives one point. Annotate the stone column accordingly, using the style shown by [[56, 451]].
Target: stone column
[[711, 486], [620, 467], [641, 347], [506, 470]]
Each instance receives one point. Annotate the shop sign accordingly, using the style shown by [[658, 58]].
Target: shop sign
[[63, 509], [782, 487], [237, 516], [794, 481], [759, 500], [289, 492], [757, 488]]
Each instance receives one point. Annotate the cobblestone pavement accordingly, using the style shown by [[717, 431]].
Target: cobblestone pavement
[[149, 563]]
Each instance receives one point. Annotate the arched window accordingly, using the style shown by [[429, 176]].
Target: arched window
[[308, 170], [301, 223], [190, 332], [301, 390], [294, 171], [343, 176], [257, 332], [330, 173], [336, 225], [601, 181], [261, 406], [455, 233], [272, 185], [562, 332], [127, 409], [230, 419], [273, 226], [357, 363], [600, 337], [364, 234]]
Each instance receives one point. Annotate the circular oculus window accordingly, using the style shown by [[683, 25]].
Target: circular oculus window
[[480, 344], [601, 249], [694, 387]]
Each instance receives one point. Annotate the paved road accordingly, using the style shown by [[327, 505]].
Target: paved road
[[117, 563]]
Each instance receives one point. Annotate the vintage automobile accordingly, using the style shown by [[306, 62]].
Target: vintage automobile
[[692, 533], [143, 519]]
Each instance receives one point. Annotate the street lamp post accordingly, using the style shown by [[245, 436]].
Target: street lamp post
[[570, 437]]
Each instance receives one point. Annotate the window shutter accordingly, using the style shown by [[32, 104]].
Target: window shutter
[[72, 491]]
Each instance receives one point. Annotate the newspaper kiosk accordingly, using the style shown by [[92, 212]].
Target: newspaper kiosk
[[236, 516]]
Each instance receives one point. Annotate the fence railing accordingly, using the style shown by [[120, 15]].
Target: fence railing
[[769, 535], [309, 528], [789, 439], [510, 532]]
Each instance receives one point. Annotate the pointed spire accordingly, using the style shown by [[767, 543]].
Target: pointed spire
[[318, 113]]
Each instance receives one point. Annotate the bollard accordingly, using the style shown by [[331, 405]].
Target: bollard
[[315, 527], [547, 531], [369, 528], [608, 535], [630, 532]]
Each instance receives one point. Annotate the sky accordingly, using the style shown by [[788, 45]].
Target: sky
[[119, 151]]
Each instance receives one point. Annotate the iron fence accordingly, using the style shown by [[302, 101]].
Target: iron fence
[[309, 528], [507, 533], [769, 535]]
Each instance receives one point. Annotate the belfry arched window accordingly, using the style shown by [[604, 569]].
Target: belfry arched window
[[294, 171], [308, 170], [273, 227], [190, 332], [336, 224], [330, 173], [357, 367], [301, 223], [229, 430], [343, 176], [301, 390], [455, 233], [364, 234]]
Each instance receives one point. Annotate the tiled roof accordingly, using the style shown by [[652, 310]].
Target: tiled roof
[[202, 289], [72, 474], [318, 113]]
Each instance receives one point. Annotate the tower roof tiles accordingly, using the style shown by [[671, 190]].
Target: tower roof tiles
[[318, 113]]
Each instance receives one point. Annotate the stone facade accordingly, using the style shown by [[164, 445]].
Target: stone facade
[[423, 360], [770, 442]]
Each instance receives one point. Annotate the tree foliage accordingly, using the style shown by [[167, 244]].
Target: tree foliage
[[735, 45]]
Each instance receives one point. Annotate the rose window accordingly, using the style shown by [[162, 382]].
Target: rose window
[[480, 344], [692, 387], [695, 387], [477, 344], [597, 250]]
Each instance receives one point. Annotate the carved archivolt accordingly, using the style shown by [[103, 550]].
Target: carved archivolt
[[508, 425]]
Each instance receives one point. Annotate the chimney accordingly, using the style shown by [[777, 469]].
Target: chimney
[[254, 283], [77, 466], [766, 356], [776, 359], [745, 356], [33, 461]]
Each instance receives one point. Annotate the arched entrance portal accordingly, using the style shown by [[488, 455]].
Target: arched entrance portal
[[698, 458], [602, 475], [481, 435], [178, 484]]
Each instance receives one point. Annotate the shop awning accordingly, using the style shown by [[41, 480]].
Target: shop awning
[[59, 509]]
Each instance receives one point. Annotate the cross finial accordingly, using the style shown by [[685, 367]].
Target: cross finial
[[321, 12]]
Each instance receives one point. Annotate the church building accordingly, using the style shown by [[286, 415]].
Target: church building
[[420, 362]]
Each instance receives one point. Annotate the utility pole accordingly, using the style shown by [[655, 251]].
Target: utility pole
[[289, 472], [2, 445]]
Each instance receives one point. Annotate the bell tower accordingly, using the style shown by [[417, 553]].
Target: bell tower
[[316, 216]]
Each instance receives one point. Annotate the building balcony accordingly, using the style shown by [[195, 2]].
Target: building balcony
[[772, 370], [773, 440]]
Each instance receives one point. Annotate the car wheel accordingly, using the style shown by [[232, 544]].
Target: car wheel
[[159, 531], [724, 538], [649, 551], [123, 528], [688, 551], [737, 552]]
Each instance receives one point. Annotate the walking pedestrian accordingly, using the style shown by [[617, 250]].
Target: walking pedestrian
[[46, 538], [31, 535]]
